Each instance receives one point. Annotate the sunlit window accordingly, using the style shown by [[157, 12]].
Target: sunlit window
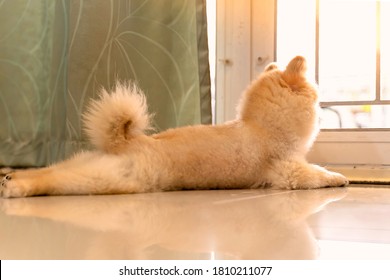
[[347, 44]]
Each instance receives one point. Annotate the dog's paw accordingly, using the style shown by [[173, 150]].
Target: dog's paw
[[321, 179], [327, 179], [10, 188], [336, 180], [5, 186]]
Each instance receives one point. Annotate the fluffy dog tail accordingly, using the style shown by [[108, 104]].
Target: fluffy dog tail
[[116, 117]]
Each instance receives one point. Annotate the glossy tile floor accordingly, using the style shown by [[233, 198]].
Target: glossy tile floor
[[344, 223]]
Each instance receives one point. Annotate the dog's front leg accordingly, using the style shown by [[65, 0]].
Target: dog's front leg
[[302, 175]]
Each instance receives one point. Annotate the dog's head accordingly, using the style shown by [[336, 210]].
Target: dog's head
[[283, 102], [287, 86]]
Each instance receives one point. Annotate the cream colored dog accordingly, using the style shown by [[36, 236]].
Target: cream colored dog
[[265, 146]]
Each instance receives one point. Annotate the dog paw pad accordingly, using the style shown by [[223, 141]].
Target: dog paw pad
[[4, 181]]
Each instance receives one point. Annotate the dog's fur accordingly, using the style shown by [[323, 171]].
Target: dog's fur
[[265, 146]]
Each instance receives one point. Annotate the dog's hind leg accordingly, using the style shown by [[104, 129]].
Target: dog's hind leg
[[86, 173]]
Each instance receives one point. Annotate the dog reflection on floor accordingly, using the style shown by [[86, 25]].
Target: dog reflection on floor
[[232, 224]]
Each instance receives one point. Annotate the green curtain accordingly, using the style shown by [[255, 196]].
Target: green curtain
[[55, 55]]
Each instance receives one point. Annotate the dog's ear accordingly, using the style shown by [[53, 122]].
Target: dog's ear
[[270, 67], [297, 66], [295, 72]]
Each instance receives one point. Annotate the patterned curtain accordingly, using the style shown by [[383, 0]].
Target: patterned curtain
[[55, 55]]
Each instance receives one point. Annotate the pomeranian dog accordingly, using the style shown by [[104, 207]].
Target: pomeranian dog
[[276, 124]]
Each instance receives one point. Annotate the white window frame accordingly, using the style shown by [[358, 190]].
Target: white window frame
[[245, 44]]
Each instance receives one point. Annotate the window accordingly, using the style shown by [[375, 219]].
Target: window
[[347, 44]]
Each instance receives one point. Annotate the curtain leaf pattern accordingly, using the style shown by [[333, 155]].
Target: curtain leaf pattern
[[56, 55]]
